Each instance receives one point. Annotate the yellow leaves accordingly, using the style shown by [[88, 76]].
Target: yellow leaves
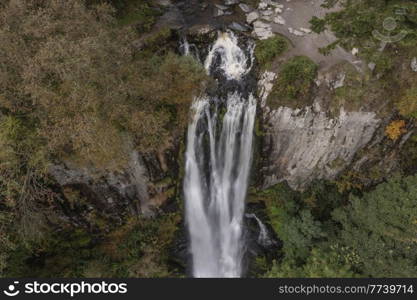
[[395, 129]]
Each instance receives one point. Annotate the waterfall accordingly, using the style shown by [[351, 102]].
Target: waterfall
[[218, 160], [263, 238], [188, 49]]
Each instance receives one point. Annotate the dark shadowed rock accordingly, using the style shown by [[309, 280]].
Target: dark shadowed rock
[[238, 27], [245, 8]]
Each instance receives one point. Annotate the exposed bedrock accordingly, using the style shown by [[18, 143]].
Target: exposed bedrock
[[306, 144], [300, 145], [144, 187]]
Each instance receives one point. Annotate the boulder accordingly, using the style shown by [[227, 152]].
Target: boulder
[[238, 27], [245, 8], [263, 5], [279, 20], [251, 17]]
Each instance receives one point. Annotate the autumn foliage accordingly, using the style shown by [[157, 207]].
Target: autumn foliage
[[395, 129]]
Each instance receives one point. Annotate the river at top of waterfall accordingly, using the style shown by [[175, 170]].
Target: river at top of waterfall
[[218, 160]]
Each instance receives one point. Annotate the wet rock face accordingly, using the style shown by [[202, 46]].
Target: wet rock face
[[141, 188], [301, 145], [306, 144], [117, 193]]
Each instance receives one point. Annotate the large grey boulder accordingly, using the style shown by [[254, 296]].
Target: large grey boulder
[[252, 17]]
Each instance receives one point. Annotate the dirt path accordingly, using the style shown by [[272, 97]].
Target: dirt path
[[297, 14]]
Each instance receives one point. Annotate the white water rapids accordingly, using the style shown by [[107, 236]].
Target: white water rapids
[[218, 160]]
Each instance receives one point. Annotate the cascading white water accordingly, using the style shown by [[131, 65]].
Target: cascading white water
[[189, 49], [263, 238], [218, 160]]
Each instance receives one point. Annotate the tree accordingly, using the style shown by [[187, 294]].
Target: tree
[[72, 70], [381, 228], [321, 262]]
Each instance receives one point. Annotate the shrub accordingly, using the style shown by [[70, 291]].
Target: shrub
[[267, 50], [74, 88], [321, 263], [84, 88], [407, 105], [318, 25], [395, 129], [295, 79]]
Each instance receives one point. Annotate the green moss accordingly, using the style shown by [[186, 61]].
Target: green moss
[[267, 50], [337, 163], [358, 90], [258, 128], [294, 82]]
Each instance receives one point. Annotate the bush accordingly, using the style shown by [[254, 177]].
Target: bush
[[74, 89], [295, 79], [84, 88], [395, 129], [407, 105], [318, 25], [267, 50], [321, 263]]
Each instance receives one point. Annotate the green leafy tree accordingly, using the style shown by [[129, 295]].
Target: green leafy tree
[[267, 50], [294, 223], [321, 262], [381, 228]]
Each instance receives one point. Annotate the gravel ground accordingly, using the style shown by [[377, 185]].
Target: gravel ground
[[297, 14]]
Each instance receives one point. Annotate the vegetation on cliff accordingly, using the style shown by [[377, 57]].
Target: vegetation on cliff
[[79, 85], [366, 25], [294, 82], [267, 50], [88, 81]]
